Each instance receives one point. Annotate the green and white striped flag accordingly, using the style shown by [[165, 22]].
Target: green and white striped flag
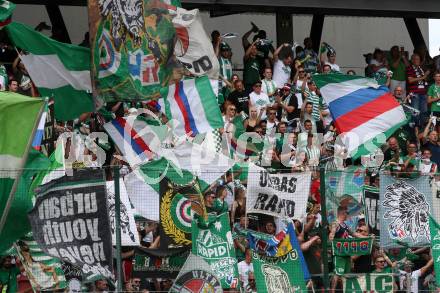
[[57, 69], [180, 165], [19, 116], [43, 271]]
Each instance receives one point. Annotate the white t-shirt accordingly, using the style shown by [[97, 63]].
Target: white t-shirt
[[243, 271], [298, 95], [259, 101], [334, 67], [414, 280], [281, 73], [271, 125]]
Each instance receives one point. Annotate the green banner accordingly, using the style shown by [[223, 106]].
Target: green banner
[[352, 246], [279, 274], [216, 246], [381, 283], [147, 265], [434, 229], [131, 48]]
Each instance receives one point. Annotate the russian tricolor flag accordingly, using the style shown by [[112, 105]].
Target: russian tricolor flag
[[192, 103], [361, 110], [135, 138]]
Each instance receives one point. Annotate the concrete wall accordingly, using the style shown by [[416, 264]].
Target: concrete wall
[[350, 36]]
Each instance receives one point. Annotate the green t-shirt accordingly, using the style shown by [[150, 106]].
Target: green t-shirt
[[8, 279], [434, 91], [386, 270], [399, 72], [412, 161], [251, 71]]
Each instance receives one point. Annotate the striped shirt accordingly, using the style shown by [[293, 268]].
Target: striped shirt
[[418, 87], [317, 103], [313, 154]]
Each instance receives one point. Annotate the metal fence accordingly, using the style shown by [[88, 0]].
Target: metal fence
[[152, 211]]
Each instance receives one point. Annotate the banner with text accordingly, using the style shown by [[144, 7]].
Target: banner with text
[[149, 265], [216, 246], [279, 274], [70, 221], [279, 195], [405, 205], [196, 276], [380, 283], [352, 246]]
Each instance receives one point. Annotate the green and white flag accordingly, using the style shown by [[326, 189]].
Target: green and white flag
[[216, 246], [55, 170], [368, 283], [19, 116], [57, 69], [43, 271], [279, 274], [180, 165], [434, 229]]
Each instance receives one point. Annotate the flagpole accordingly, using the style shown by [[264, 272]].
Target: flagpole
[[118, 228], [324, 227], [20, 170]]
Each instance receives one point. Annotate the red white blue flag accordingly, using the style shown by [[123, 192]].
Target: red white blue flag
[[192, 106], [364, 113]]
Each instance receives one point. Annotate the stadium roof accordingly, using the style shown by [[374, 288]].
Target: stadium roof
[[386, 8]]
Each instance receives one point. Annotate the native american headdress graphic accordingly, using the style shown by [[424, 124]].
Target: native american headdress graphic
[[408, 210]]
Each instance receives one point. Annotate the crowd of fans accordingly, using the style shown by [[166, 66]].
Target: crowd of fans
[[275, 98]]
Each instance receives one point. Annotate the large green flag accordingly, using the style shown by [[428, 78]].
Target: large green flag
[[57, 69], [216, 246], [55, 170], [19, 116], [434, 229], [279, 274]]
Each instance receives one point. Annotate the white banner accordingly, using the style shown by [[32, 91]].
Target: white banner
[[129, 234], [279, 195], [193, 47]]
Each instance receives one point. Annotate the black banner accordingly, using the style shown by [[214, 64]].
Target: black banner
[[371, 197], [70, 221], [149, 265]]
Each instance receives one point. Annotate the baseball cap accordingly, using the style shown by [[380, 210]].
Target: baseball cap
[[224, 46]]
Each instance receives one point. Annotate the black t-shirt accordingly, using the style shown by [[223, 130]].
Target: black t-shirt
[[240, 100], [342, 231], [293, 101], [435, 150], [362, 264]]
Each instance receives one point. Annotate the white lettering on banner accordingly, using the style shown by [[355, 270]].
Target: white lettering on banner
[[88, 254], [78, 229], [279, 195], [68, 205]]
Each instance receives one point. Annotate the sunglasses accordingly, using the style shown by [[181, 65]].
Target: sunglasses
[[272, 113], [381, 261], [232, 109], [362, 231], [302, 71]]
